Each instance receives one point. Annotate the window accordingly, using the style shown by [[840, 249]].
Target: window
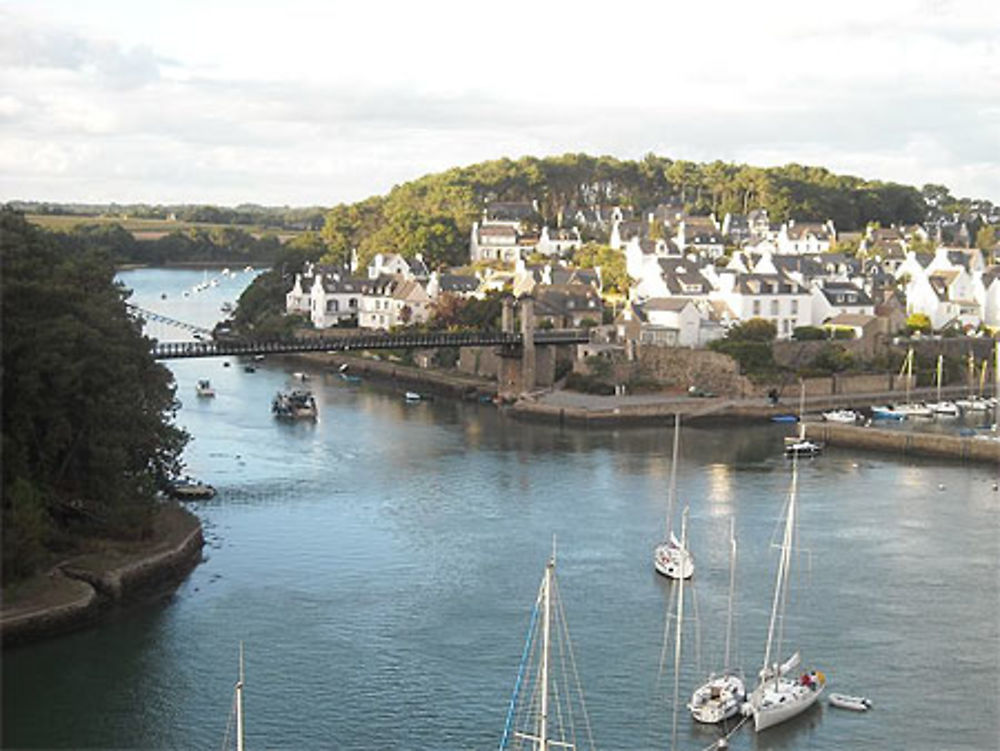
[[756, 307], [795, 307], [786, 326], [775, 307]]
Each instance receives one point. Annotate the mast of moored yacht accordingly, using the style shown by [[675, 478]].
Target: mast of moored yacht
[[543, 719], [732, 589], [239, 705], [672, 490], [782, 575], [940, 364], [677, 636]]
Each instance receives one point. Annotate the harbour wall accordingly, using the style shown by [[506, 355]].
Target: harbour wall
[[963, 448]]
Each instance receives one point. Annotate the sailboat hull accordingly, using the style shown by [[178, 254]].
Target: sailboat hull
[[788, 700], [672, 561], [718, 700]]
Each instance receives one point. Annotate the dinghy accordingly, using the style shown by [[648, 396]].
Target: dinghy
[[856, 703]]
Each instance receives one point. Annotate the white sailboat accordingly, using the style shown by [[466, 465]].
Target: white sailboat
[[975, 402], [671, 557], [723, 694], [909, 408], [799, 445], [781, 695], [943, 407], [545, 711]]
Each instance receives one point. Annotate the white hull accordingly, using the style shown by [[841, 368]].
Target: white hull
[[672, 561], [887, 413], [719, 699], [855, 703], [915, 410], [773, 705], [945, 409], [847, 416], [975, 405]]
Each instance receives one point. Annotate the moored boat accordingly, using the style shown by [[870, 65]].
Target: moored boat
[[801, 446], [671, 558], [856, 703], [294, 405], [887, 412], [189, 489], [847, 416], [204, 388]]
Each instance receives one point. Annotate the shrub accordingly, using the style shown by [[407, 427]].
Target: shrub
[[808, 333], [918, 322]]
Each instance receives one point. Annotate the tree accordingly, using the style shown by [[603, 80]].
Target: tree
[[87, 411], [986, 240], [918, 322]]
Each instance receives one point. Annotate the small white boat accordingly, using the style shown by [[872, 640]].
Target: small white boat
[[300, 376], [856, 703], [412, 396], [945, 409], [671, 558], [846, 416], [915, 409], [799, 446], [204, 388], [974, 404]]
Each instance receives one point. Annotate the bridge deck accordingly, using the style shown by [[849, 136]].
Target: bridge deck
[[225, 348]]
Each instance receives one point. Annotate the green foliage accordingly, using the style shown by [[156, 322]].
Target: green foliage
[[986, 237], [588, 384], [754, 330], [87, 411], [610, 261], [756, 358], [808, 333], [841, 332], [600, 367], [454, 312], [833, 358], [918, 322]]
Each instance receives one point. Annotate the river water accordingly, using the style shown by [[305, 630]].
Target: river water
[[380, 566]]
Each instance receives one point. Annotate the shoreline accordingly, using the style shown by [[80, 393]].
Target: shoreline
[[79, 591]]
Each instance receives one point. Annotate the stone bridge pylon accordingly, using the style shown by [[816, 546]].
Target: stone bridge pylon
[[529, 365]]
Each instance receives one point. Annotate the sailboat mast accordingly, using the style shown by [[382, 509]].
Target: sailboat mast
[[939, 364], [239, 705], [996, 383], [909, 373], [783, 561], [543, 720], [677, 636], [732, 589], [672, 491]]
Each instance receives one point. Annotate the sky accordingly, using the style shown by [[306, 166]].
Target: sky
[[305, 102]]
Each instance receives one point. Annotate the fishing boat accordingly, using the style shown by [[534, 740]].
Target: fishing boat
[[671, 558], [781, 695], [294, 405], [204, 388], [856, 703], [547, 708], [846, 416], [943, 407], [723, 694]]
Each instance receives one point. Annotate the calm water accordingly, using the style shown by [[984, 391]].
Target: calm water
[[380, 566]]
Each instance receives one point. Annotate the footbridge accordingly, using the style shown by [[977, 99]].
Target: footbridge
[[524, 359]]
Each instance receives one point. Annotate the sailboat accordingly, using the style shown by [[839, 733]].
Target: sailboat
[[908, 409], [723, 694], [799, 445], [780, 695], [678, 631], [975, 401], [941, 407], [545, 712], [671, 557], [237, 710]]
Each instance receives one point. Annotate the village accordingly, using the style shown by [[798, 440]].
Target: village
[[690, 280]]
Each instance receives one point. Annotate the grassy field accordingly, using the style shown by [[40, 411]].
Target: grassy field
[[147, 228]]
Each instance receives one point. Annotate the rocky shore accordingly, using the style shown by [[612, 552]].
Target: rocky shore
[[78, 591]]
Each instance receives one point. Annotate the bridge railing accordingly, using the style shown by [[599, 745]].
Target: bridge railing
[[227, 347]]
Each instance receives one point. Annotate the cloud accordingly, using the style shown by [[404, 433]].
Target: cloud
[[271, 114]]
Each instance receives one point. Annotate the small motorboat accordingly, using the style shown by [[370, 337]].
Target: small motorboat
[[799, 446], [887, 412], [945, 409], [188, 489], [249, 368], [294, 405], [204, 388], [784, 418], [300, 376], [855, 703], [846, 416], [412, 396], [350, 378]]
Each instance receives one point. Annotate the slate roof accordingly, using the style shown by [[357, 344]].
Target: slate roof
[[845, 294], [768, 284]]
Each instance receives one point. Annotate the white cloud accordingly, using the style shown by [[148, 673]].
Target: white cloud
[[311, 102]]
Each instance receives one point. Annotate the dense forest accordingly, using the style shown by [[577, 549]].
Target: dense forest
[[88, 433]]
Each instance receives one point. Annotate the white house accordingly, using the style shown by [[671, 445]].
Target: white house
[[773, 297], [700, 235], [831, 299], [805, 237], [946, 297], [393, 264], [326, 294], [987, 294], [556, 242]]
